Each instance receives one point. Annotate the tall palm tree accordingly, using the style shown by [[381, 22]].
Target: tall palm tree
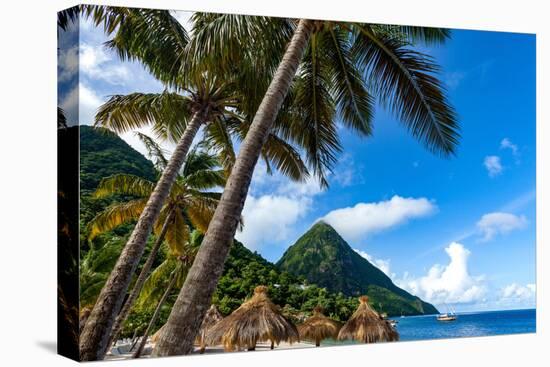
[[341, 66], [157, 40], [174, 269], [187, 203], [95, 335]]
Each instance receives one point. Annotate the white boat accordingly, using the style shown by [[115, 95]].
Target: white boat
[[449, 316], [446, 317]]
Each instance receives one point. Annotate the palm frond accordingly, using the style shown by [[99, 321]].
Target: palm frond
[[177, 235], [313, 127], [156, 39], [200, 210], [354, 103], [198, 160], [285, 158], [110, 17], [154, 151], [218, 139], [155, 284], [206, 179], [67, 16], [115, 215], [414, 34], [124, 184], [405, 82], [167, 112], [224, 40]]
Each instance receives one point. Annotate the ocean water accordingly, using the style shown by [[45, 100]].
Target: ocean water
[[467, 324]]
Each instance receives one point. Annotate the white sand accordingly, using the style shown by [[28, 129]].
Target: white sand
[[121, 351]]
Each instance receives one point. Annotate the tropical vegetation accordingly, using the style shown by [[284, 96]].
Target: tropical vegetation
[[277, 85], [337, 69]]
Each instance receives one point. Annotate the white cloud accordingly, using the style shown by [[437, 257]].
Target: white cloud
[[454, 78], [80, 105], [492, 224], [97, 64], [269, 218], [67, 64], [354, 223], [515, 290], [383, 265], [346, 173], [507, 144], [274, 208], [516, 295], [493, 165], [451, 283]]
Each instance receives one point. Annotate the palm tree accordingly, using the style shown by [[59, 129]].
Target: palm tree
[[187, 203], [340, 66], [156, 39], [176, 265]]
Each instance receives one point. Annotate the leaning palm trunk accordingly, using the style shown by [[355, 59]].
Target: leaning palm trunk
[[117, 327], [194, 299], [96, 334], [156, 314]]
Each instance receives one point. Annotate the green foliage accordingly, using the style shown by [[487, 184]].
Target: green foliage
[[102, 154], [244, 270], [96, 264], [324, 258]]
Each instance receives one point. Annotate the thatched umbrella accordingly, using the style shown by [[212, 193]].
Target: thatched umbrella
[[367, 326], [318, 327], [212, 317], [258, 319]]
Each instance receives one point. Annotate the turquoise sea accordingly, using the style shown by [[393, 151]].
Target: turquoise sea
[[467, 324]]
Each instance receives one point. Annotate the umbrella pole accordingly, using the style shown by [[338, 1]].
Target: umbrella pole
[[272, 345], [317, 342]]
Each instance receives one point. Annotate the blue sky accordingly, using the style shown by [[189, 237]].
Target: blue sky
[[455, 231]]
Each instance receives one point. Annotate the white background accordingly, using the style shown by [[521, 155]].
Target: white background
[[28, 181]]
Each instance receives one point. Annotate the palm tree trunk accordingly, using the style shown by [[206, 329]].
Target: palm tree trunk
[[117, 327], [156, 314], [195, 296], [134, 339], [95, 336]]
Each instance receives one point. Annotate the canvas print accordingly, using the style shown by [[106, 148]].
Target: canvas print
[[242, 183]]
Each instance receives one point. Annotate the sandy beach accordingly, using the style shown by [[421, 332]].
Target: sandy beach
[[120, 352]]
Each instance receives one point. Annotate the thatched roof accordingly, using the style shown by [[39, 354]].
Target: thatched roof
[[367, 326], [210, 319], [258, 319], [318, 327]]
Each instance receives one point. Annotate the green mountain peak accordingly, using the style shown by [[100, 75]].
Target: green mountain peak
[[324, 258]]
